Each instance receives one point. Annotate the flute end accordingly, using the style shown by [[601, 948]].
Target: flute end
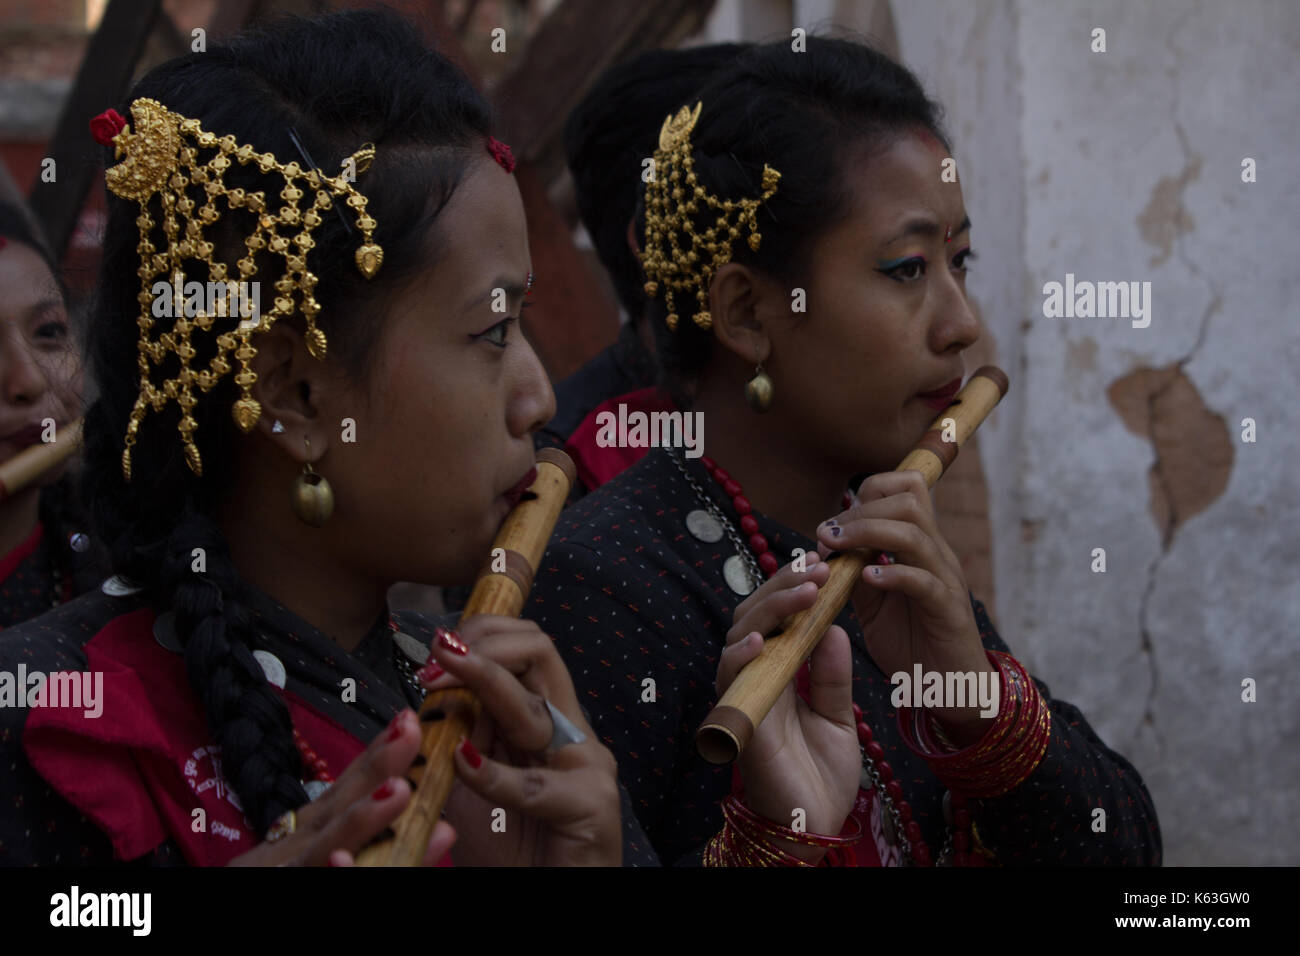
[[723, 735], [996, 376]]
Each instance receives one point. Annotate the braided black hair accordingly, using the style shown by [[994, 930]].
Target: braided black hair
[[338, 81], [804, 114]]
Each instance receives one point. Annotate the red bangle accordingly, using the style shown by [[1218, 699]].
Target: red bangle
[[735, 810], [1009, 751], [743, 840]]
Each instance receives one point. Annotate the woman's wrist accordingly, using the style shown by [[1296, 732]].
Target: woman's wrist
[[1005, 754], [749, 839]]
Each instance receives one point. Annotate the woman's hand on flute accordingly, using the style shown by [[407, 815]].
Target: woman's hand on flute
[[917, 610], [517, 801], [803, 755], [366, 799]]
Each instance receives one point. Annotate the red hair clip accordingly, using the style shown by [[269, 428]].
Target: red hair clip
[[501, 153], [107, 125]]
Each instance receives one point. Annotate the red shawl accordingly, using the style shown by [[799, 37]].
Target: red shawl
[[143, 769]]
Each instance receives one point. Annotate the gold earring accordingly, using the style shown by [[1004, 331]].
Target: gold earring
[[313, 498], [759, 389]]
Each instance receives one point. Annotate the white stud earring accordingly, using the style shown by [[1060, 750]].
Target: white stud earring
[[277, 428]]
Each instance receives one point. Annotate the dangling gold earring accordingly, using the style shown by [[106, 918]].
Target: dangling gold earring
[[313, 498], [759, 389]]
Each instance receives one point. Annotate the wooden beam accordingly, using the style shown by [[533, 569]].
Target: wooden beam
[[572, 316], [102, 80], [577, 42]]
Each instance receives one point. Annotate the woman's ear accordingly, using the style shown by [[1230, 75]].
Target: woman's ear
[[293, 389], [736, 300]]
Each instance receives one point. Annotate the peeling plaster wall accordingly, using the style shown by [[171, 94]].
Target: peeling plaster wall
[[1126, 165], [965, 55]]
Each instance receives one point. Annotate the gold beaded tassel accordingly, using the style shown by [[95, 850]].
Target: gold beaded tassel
[[158, 159], [671, 205]]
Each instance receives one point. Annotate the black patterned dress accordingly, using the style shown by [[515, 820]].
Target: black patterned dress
[[31, 579], [83, 819], [629, 593]]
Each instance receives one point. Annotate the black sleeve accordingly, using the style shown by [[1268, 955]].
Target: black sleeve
[[1050, 818], [38, 827]]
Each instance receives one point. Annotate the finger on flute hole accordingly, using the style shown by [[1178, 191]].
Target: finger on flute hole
[[805, 560], [470, 754], [747, 648], [432, 676], [737, 647]]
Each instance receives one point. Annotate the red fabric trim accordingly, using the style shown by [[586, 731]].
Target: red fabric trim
[[143, 766], [9, 563], [597, 465]]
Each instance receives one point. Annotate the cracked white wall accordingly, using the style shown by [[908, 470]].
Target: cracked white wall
[[1126, 165]]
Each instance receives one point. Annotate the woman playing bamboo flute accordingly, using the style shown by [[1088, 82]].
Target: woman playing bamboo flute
[[46, 553], [805, 260], [263, 479]]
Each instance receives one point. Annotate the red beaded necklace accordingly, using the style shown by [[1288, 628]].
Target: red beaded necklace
[[311, 760], [873, 753]]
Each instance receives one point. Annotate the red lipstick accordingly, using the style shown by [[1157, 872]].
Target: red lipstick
[[941, 398], [516, 491], [30, 435]]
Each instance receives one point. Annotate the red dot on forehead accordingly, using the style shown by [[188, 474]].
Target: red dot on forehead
[[930, 140]]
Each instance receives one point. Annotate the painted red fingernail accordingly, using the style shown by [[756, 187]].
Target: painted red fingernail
[[471, 754], [430, 671], [451, 640], [394, 728], [382, 792]]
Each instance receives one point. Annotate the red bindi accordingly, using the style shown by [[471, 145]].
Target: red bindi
[[501, 153], [930, 140]]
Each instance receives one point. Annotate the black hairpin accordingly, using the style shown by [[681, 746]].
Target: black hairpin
[[306, 158]]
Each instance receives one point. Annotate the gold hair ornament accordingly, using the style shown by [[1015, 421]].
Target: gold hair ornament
[[676, 256], [162, 157]]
